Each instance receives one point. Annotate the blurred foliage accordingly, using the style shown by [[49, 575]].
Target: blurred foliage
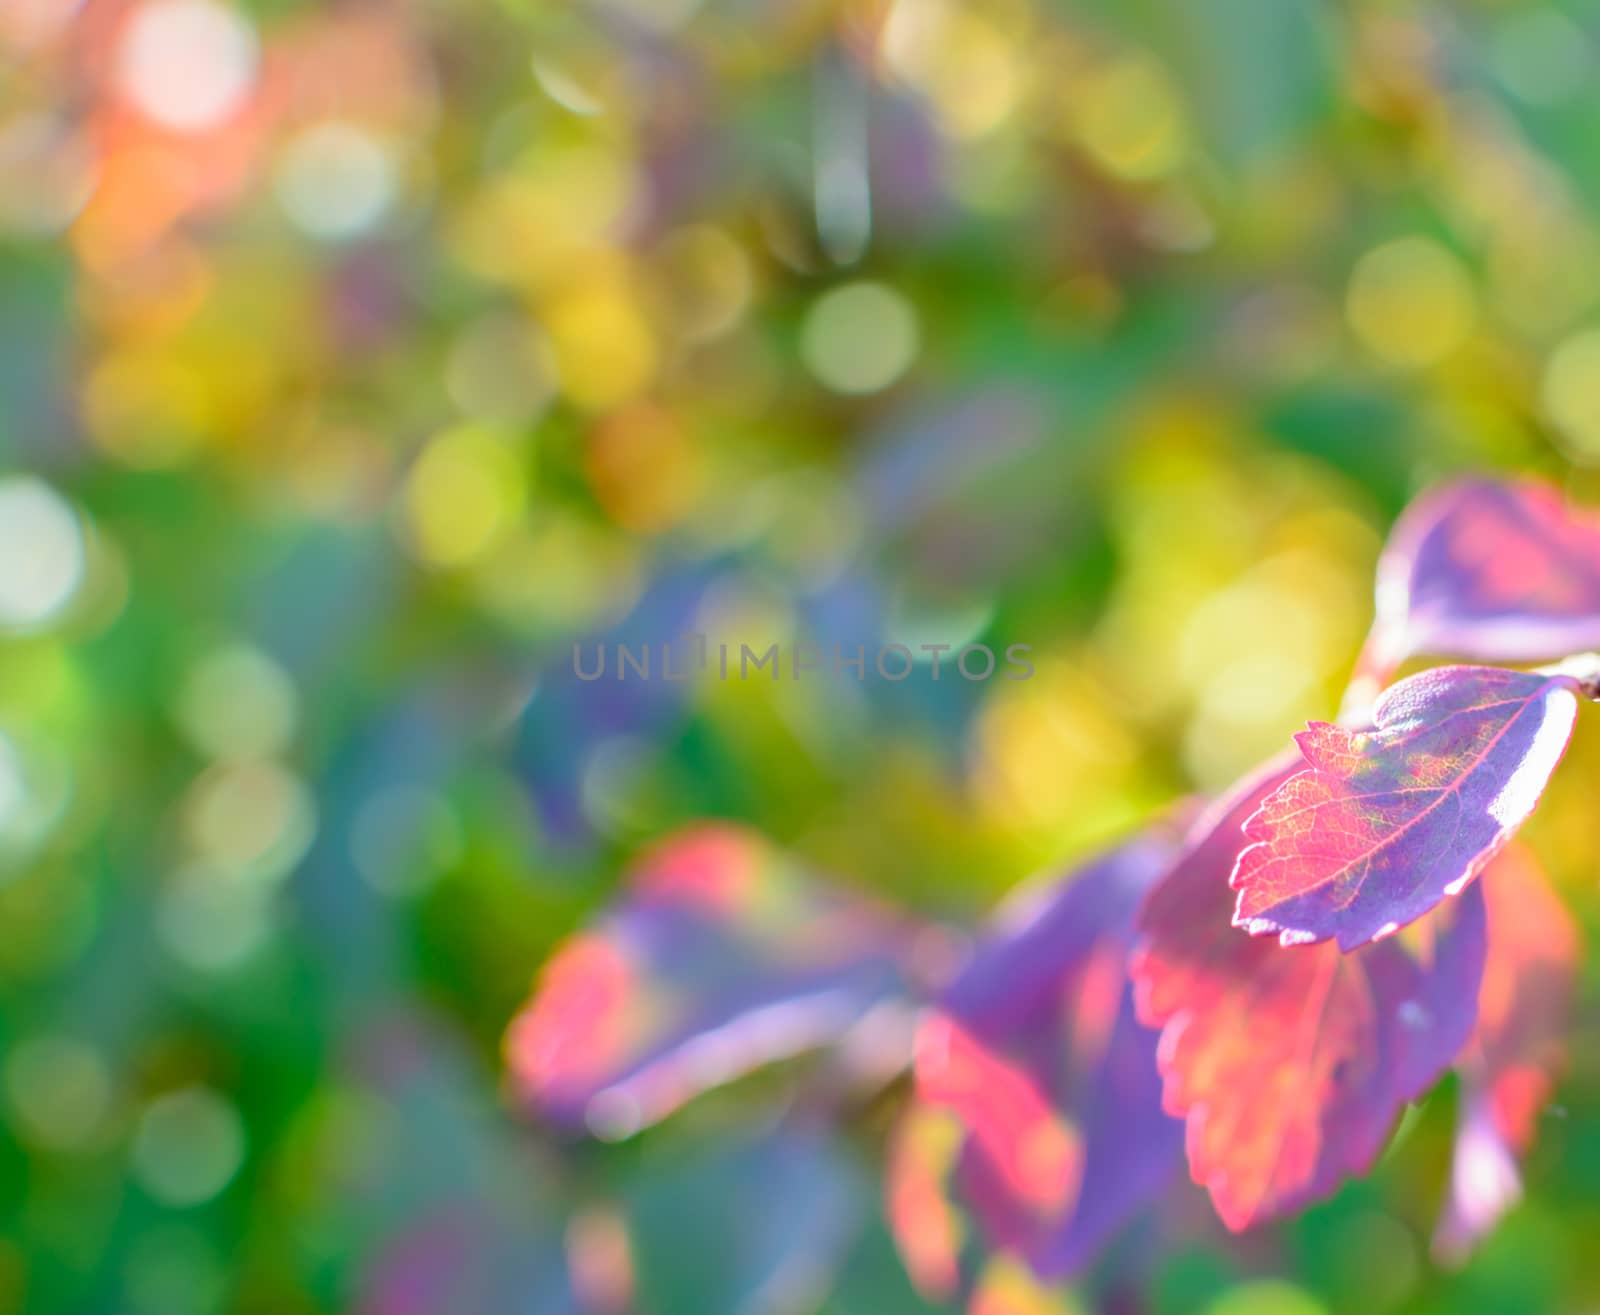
[[358, 359]]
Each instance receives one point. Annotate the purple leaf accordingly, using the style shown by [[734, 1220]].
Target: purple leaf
[[1489, 570], [1510, 1065], [722, 957], [1290, 1065], [1037, 1104], [1387, 822]]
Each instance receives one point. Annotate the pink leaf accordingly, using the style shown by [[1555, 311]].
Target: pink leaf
[[1489, 570], [1290, 1065], [1387, 822], [1510, 1064]]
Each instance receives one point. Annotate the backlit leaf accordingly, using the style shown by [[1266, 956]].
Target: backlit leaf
[[1290, 1065], [1037, 1116], [1483, 569], [1510, 1064], [723, 956], [1386, 822]]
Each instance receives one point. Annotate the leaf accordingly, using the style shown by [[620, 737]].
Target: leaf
[[444, 1215], [1481, 569], [1389, 821], [461, 1256], [1037, 1110], [756, 1224], [1510, 1064], [722, 957], [1290, 1065]]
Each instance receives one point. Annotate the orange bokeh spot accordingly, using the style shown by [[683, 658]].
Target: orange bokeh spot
[[921, 1155], [714, 867], [577, 1024]]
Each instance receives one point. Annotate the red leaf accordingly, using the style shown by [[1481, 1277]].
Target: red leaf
[[1290, 1064], [1489, 570], [1509, 1067], [1389, 821]]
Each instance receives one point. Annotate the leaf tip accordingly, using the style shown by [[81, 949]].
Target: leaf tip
[[1239, 874]]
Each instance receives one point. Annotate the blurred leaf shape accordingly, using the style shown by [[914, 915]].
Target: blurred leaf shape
[[1389, 821], [1510, 1064], [1291, 1064], [432, 1212], [1483, 569], [757, 1225], [1037, 1112], [721, 957], [462, 1258], [1008, 1288]]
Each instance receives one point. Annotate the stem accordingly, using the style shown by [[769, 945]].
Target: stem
[[1581, 667]]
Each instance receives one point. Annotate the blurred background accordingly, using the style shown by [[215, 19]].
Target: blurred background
[[357, 359]]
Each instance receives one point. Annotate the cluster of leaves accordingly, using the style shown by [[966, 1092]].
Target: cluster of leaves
[[1263, 983]]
